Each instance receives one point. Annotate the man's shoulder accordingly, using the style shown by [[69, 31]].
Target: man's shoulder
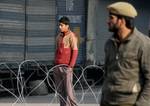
[[142, 39]]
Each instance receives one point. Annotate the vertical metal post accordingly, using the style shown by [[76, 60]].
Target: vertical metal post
[[25, 37], [91, 33]]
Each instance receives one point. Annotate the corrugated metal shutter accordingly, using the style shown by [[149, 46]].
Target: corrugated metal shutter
[[76, 11], [12, 30], [41, 29]]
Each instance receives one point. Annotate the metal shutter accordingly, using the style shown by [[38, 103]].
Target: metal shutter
[[40, 29], [12, 30]]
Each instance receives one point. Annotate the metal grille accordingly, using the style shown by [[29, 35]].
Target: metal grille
[[12, 21], [27, 30], [40, 29]]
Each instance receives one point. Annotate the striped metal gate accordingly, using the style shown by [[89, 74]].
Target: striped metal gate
[[27, 30], [12, 30], [40, 30]]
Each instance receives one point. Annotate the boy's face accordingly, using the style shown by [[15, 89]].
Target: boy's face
[[63, 27]]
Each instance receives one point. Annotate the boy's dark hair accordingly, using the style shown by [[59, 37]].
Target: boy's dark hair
[[65, 20]]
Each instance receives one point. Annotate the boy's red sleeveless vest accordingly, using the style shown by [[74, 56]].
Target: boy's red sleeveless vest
[[67, 51]]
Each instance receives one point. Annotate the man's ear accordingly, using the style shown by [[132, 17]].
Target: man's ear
[[123, 21]]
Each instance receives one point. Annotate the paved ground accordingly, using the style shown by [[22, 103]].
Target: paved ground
[[41, 104], [86, 97]]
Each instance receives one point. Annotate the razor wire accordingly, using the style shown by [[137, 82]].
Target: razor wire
[[21, 82]]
